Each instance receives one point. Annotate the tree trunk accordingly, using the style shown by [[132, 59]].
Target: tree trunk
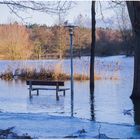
[[92, 47], [136, 109], [134, 14]]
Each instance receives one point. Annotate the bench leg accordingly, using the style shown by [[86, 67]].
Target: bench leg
[[64, 93], [30, 94], [57, 97], [37, 92], [30, 89]]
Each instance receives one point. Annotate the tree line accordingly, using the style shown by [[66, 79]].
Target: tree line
[[40, 41]]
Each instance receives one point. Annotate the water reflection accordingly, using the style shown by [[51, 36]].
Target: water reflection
[[107, 102], [46, 103], [14, 82], [92, 105], [136, 106]]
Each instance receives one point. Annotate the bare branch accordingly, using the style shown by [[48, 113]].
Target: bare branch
[[100, 5], [50, 7]]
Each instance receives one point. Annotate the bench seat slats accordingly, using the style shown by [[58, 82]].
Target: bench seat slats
[[63, 89], [45, 83], [43, 89]]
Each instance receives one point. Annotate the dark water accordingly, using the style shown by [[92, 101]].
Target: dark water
[[111, 102]]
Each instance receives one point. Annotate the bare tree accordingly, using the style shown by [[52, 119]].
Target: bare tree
[[124, 25], [49, 7], [125, 30], [14, 39], [134, 13], [79, 20], [92, 47]]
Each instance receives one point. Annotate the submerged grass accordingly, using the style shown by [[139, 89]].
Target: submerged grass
[[42, 74], [7, 75], [57, 73], [45, 74]]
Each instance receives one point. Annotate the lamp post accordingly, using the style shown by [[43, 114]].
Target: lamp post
[[71, 28], [71, 60]]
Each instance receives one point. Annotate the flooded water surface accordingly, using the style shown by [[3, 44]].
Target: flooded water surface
[[111, 102]]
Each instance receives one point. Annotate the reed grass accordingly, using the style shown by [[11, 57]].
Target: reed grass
[[57, 73], [7, 75], [42, 74]]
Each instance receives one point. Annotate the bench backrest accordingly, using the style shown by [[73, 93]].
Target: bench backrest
[[45, 83]]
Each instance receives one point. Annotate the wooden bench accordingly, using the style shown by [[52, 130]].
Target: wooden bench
[[57, 84]]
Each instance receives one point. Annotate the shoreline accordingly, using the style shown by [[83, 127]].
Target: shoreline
[[32, 124]]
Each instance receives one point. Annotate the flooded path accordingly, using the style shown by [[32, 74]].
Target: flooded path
[[111, 102]]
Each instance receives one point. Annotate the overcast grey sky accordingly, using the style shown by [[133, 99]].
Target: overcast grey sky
[[82, 7]]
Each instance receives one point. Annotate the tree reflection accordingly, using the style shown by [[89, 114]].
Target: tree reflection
[[92, 104], [136, 104]]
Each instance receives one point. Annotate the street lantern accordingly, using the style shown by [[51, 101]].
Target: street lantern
[[71, 30]]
